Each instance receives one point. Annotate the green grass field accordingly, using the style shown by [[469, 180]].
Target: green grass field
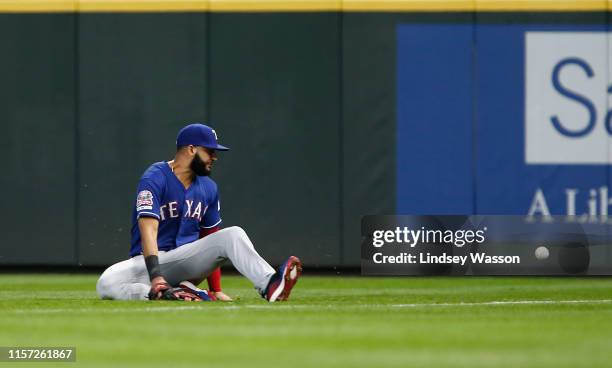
[[329, 322]]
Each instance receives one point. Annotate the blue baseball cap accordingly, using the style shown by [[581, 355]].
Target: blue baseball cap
[[199, 135]]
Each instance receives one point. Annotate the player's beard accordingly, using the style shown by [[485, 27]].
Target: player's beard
[[199, 167]]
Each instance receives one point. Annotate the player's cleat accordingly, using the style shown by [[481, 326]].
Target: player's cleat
[[202, 294], [284, 280]]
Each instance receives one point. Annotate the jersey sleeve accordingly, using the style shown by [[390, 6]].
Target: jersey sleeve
[[148, 198], [212, 217]]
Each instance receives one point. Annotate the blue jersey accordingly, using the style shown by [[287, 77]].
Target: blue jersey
[[181, 212]]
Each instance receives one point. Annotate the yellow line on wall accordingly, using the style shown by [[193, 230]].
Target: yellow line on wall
[[544, 5], [8, 6], [275, 5], [142, 6], [413, 5]]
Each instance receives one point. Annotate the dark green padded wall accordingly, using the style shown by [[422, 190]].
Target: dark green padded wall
[[306, 101], [275, 98], [141, 77], [368, 76], [37, 143]]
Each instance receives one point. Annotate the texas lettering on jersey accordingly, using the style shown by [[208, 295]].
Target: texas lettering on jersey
[[171, 210], [181, 212]]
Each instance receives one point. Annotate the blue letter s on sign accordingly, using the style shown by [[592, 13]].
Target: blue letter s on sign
[[573, 96]]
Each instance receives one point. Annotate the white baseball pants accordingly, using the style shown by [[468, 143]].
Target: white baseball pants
[[194, 261]]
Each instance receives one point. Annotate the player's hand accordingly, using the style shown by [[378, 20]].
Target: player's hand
[[158, 286], [220, 295]]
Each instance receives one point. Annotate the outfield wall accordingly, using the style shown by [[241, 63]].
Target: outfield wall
[[331, 112]]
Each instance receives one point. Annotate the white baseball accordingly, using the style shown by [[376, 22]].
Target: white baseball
[[541, 253]]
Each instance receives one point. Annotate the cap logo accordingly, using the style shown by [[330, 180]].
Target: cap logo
[[215, 133]]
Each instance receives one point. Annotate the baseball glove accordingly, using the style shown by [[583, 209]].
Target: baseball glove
[[163, 291], [180, 294]]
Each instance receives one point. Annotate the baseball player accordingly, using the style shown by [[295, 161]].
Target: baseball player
[[176, 201]]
